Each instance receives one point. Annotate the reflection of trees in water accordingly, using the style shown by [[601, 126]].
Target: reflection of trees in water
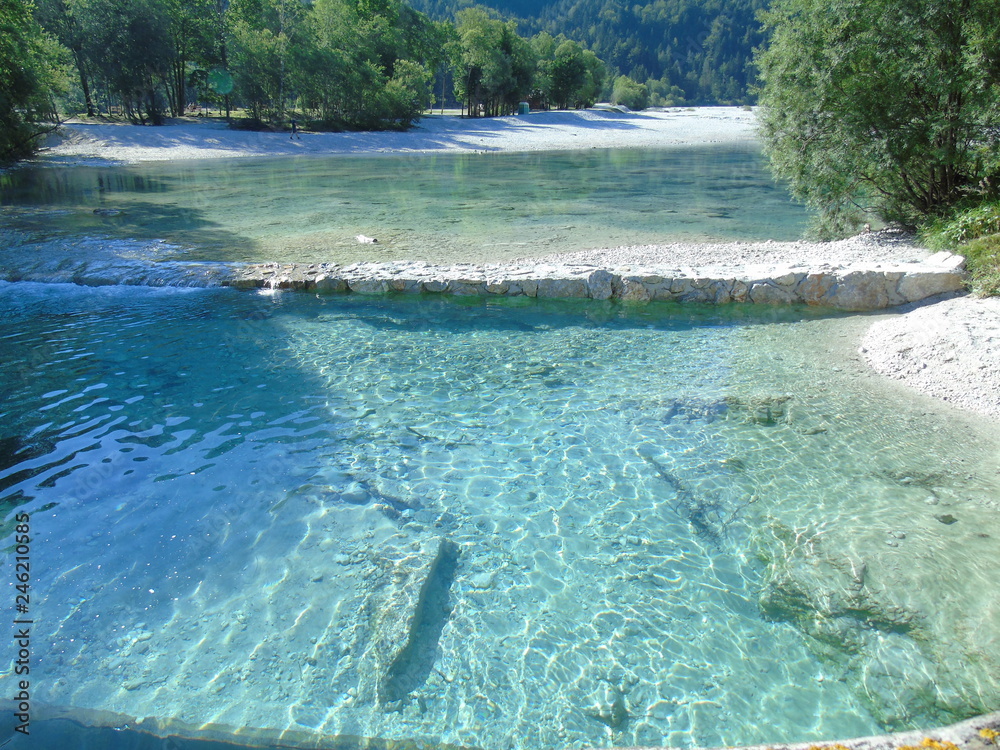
[[313, 210]]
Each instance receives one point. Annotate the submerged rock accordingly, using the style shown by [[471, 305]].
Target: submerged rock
[[411, 664], [612, 712], [887, 641], [762, 410]]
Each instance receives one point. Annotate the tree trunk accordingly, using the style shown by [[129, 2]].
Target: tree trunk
[[179, 99], [444, 80], [84, 81]]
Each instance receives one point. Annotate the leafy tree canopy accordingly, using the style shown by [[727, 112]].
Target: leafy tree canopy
[[31, 69], [891, 106], [331, 64]]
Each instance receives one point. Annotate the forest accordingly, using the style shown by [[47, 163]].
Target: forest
[[332, 64], [679, 51]]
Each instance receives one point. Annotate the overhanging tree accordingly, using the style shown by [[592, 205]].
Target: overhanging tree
[[889, 106], [30, 72]]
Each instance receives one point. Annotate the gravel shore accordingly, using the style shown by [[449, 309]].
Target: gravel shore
[[886, 247], [949, 350], [192, 138]]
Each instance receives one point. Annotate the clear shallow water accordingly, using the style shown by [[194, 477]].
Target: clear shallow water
[[437, 208], [238, 501]]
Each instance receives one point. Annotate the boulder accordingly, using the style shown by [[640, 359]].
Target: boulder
[[599, 284], [562, 288]]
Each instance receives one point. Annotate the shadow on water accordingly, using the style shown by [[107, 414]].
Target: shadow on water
[[53, 429], [422, 313], [56, 208]]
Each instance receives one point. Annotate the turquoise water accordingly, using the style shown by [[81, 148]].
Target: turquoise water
[[438, 208], [491, 524]]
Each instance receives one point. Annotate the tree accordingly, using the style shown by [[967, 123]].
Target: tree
[[127, 45], [30, 72], [362, 65], [494, 66], [891, 106], [593, 80], [59, 18], [544, 45], [569, 73], [190, 25], [264, 35], [406, 93], [632, 94]]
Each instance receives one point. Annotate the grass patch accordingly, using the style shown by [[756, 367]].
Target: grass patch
[[982, 257], [975, 233]]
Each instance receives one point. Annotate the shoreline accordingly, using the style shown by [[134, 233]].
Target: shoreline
[[949, 350], [78, 142], [899, 349]]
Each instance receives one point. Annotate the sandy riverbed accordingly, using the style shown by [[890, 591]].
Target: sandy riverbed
[[948, 350]]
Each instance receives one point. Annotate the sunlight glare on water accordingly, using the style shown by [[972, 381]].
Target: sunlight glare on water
[[436, 208], [504, 524]]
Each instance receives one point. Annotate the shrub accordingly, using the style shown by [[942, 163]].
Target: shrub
[[975, 233]]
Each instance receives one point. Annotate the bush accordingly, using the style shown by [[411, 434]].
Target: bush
[[975, 233], [632, 94], [982, 258], [967, 225], [882, 106]]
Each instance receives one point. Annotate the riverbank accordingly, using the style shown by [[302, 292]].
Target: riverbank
[[949, 350], [193, 138], [958, 363]]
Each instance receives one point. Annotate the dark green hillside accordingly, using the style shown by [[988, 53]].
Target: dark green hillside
[[688, 51]]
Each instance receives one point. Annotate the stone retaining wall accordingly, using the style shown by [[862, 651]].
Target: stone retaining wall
[[857, 287]]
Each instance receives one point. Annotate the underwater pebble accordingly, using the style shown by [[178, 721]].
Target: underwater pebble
[[482, 580], [354, 495]]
